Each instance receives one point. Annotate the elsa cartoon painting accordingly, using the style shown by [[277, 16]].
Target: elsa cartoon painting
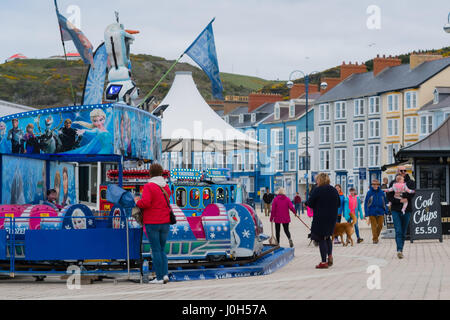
[[5, 145], [100, 140]]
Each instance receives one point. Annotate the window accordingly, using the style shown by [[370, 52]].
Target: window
[[241, 118], [278, 161], [277, 137], [324, 164], [251, 184], [426, 124], [209, 160], [411, 125], [277, 112], [292, 111], [359, 107], [374, 128], [304, 162], [339, 159], [358, 157], [411, 100], [340, 133], [237, 163], [198, 159], [392, 127], [340, 110], [374, 105], [220, 162], [324, 133], [435, 97], [227, 119], [393, 104], [324, 112], [358, 130], [251, 134], [252, 161], [292, 162], [392, 148], [374, 155], [253, 117], [292, 131]]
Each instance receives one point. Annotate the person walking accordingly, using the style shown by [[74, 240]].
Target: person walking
[[343, 209], [375, 207], [298, 203], [325, 202], [156, 215], [401, 220], [267, 199], [280, 215], [356, 212]]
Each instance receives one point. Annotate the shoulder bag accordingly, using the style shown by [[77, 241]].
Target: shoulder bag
[[173, 219]]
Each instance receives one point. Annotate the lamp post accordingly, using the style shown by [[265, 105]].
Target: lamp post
[[323, 86], [447, 26]]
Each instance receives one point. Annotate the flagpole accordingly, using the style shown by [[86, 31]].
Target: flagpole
[[160, 80], [65, 54]]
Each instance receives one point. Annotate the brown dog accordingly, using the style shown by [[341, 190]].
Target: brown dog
[[346, 228]]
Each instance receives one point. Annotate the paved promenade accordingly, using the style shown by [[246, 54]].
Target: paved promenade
[[422, 274]]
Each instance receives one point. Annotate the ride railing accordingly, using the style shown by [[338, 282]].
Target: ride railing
[[22, 248]]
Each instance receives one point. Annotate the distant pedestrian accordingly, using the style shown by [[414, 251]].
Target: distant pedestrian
[[401, 220], [280, 214], [325, 201], [298, 203], [375, 207], [267, 199], [343, 208], [385, 184], [356, 212]]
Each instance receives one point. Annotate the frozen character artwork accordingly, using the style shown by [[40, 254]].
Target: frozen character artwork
[[122, 134], [129, 143], [31, 142], [65, 175], [15, 135], [17, 193], [57, 185], [49, 141], [234, 221], [68, 137], [98, 139], [5, 145], [116, 219], [79, 220]]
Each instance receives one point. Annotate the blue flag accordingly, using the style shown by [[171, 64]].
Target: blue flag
[[70, 33], [95, 80], [203, 52]]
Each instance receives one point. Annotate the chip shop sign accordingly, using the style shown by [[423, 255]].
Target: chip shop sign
[[426, 215]]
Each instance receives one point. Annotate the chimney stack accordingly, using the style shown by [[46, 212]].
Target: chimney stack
[[379, 64], [417, 59], [348, 69]]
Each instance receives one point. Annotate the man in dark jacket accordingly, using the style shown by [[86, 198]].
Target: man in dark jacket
[[375, 207], [267, 199], [401, 220]]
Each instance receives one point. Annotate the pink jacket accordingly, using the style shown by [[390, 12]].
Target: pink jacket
[[280, 209]]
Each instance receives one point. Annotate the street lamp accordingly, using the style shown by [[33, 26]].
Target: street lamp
[[323, 86], [447, 26]]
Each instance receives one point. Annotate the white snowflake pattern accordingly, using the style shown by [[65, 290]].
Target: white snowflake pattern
[[202, 277], [90, 222], [175, 230], [186, 228], [246, 234], [186, 277], [212, 235]]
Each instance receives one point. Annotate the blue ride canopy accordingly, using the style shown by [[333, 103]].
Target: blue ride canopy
[[103, 129]]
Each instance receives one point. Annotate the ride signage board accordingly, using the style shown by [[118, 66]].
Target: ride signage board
[[218, 173], [426, 221], [185, 174]]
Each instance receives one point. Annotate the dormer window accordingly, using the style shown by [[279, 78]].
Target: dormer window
[[291, 110], [253, 117], [436, 97], [277, 112], [241, 118], [227, 119]]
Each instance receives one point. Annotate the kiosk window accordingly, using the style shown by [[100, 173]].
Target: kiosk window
[[207, 197], [181, 197], [194, 196], [220, 196]]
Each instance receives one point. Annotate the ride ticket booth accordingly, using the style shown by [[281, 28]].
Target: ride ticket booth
[[431, 166]]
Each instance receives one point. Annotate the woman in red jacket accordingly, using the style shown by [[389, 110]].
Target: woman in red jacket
[[156, 212], [280, 214]]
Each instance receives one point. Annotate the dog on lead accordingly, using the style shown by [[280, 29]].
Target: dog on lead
[[346, 228]]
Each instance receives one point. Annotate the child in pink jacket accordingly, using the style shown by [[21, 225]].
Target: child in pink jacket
[[281, 206]]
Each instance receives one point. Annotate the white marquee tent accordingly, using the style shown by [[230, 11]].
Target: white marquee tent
[[189, 123]]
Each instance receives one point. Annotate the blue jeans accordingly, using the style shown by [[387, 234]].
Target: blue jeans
[[401, 223], [157, 235], [297, 208]]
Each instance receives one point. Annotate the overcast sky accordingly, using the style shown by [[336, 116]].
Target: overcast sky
[[264, 38]]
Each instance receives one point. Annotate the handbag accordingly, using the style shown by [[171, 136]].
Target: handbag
[[138, 215], [173, 219]]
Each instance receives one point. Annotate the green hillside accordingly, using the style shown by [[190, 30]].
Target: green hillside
[[43, 82]]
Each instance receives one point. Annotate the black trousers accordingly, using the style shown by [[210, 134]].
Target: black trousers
[[286, 230], [326, 248]]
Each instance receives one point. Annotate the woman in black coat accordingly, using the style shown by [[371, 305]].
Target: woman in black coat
[[325, 202]]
